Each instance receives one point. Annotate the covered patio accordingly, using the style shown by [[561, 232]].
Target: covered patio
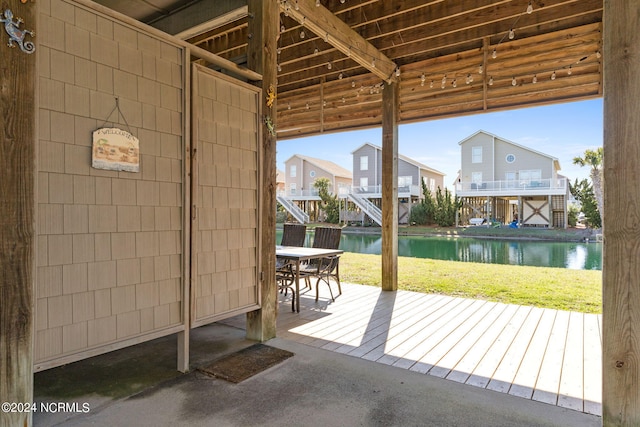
[[544, 355], [370, 357], [284, 69]]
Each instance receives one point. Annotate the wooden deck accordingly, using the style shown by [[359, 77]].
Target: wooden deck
[[546, 355]]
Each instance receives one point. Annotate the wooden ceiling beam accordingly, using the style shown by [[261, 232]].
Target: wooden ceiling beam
[[322, 22]]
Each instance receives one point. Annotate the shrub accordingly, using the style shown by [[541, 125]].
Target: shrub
[[418, 214]]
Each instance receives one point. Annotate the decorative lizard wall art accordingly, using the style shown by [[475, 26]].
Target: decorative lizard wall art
[[270, 126], [271, 96], [16, 35]]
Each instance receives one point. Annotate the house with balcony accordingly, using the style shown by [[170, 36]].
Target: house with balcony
[[299, 193], [501, 182], [367, 181]]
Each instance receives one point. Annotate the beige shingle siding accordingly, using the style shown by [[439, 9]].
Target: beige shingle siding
[[100, 231]]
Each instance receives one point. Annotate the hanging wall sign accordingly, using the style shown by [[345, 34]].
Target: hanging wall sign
[[115, 149]]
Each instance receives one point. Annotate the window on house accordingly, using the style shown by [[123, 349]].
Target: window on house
[[292, 188], [432, 185], [405, 181], [476, 180], [476, 154], [292, 171], [364, 163], [530, 175]]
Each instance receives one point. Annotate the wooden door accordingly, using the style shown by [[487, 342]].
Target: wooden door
[[225, 195]]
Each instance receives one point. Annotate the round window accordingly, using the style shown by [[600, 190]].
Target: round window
[[510, 158], [312, 174]]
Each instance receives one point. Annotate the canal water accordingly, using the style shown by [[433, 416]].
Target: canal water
[[579, 256]]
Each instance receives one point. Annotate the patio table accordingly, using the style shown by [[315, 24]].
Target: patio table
[[298, 254]]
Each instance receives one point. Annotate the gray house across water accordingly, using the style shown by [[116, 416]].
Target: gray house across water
[[367, 179], [502, 181]]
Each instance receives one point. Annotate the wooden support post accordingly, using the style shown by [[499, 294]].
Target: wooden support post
[[264, 16], [487, 205], [390, 187], [17, 219], [520, 209], [621, 269]]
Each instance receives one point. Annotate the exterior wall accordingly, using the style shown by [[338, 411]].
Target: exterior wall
[[374, 173], [424, 174], [303, 179], [342, 182], [318, 172], [374, 170], [494, 165], [280, 181], [486, 167], [525, 160], [109, 244], [298, 179], [407, 169]]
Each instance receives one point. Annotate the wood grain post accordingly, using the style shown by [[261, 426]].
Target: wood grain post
[[17, 216], [390, 187], [264, 26], [621, 252]]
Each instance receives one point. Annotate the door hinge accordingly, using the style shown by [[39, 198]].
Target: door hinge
[[261, 276]]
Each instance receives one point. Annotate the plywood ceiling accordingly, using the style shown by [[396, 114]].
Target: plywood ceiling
[[442, 48]]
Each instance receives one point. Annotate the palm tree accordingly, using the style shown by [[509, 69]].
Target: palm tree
[[595, 159]]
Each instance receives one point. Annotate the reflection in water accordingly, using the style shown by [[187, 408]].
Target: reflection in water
[[577, 256]]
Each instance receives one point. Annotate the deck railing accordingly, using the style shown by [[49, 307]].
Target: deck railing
[[344, 191], [516, 186], [413, 190]]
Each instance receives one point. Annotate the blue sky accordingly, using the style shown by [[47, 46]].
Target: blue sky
[[561, 130]]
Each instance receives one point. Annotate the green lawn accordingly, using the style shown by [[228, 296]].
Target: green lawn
[[557, 288]]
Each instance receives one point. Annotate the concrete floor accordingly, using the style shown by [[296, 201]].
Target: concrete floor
[[139, 386]]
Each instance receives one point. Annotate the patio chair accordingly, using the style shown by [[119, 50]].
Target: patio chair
[[292, 235], [324, 269]]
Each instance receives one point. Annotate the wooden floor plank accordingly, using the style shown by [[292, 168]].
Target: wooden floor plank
[[459, 350], [357, 326], [510, 363], [483, 373], [447, 340], [378, 328], [379, 344], [404, 323], [525, 381], [463, 369], [401, 344], [549, 379], [592, 365], [327, 319], [571, 391]]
